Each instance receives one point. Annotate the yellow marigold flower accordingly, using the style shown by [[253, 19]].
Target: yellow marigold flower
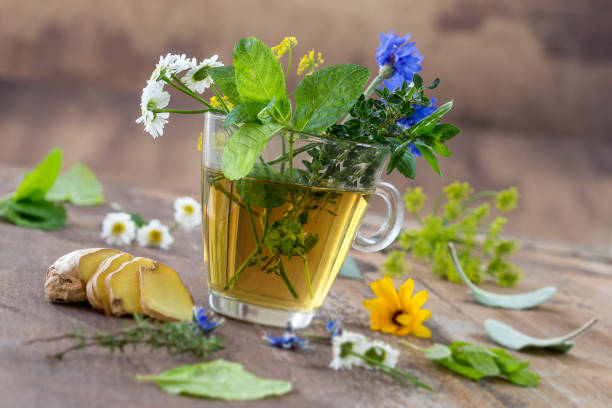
[[399, 312], [216, 103], [284, 46], [309, 62], [200, 141]]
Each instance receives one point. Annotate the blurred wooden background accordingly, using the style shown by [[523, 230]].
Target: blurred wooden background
[[531, 83]]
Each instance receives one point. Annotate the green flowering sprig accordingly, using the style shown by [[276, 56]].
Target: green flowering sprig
[[464, 221]]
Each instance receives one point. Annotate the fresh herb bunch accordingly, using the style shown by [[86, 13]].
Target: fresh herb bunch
[[464, 222], [184, 337], [37, 201], [476, 362]]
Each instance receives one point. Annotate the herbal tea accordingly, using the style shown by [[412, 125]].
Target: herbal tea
[[274, 244]]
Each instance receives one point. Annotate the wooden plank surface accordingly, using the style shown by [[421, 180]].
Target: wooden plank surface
[[93, 378]]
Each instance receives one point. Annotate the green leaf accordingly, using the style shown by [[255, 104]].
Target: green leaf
[[407, 164], [429, 155], [442, 150], [480, 359], [350, 269], [259, 75], [246, 112], [79, 186], [218, 379], [418, 81], [262, 194], [225, 79], [461, 369], [138, 220], [428, 123], [37, 182], [43, 215], [438, 352], [326, 95], [445, 132], [525, 378], [434, 84], [243, 148]]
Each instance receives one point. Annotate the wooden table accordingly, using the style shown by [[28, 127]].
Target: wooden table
[[93, 378]]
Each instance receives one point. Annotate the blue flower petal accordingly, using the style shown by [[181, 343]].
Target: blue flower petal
[[402, 55], [334, 328], [204, 321]]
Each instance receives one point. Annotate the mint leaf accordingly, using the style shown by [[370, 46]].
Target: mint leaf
[[78, 185], [219, 379], [259, 75], [243, 148], [225, 79], [326, 95], [524, 378], [262, 194], [43, 215], [480, 358], [461, 369], [246, 112], [37, 182]]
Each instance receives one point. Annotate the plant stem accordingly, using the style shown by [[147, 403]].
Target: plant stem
[[437, 204], [183, 88], [378, 79], [299, 150], [252, 221], [218, 94], [175, 226], [478, 196], [193, 112], [412, 346], [283, 275], [288, 63], [241, 268], [307, 274], [291, 157]]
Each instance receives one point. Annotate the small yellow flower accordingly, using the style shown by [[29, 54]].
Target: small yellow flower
[[309, 62], [399, 312], [216, 103], [200, 142], [284, 46]]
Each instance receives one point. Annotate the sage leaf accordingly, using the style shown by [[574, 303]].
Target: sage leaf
[[79, 186], [437, 352], [326, 95], [350, 269], [219, 379], [519, 301], [262, 194], [243, 148], [259, 75], [225, 79], [37, 182], [43, 215], [516, 340]]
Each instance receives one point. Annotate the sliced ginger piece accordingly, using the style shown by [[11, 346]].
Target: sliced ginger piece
[[65, 280], [123, 286], [163, 295], [96, 283]]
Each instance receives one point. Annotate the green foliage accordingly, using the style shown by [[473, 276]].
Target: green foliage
[[176, 338], [225, 80], [243, 148], [326, 95], [395, 264], [78, 186], [506, 200], [262, 194], [37, 182], [219, 379], [463, 221], [43, 215], [475, 362]]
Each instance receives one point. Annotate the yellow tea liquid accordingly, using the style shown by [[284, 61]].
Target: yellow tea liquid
[[332, 215]]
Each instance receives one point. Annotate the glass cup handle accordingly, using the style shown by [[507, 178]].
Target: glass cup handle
[[387, 232]]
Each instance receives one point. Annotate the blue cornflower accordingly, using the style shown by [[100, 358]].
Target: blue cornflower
[[287, 341], [334, 328], [418, 115], [203, 320], [401, 55]]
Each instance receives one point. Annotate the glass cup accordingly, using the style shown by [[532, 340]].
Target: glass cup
[[275, 240]]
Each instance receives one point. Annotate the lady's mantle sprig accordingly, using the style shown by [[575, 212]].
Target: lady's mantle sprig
[[353, 349], [174, 337]]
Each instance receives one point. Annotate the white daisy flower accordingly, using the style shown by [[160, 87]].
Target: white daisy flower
[[187, 212], [155, 234], [347, 341], [118, 228], [171, 64], [197, 78], [154, 97], [383, 353]]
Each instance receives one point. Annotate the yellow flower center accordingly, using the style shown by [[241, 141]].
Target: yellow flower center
[[155, 236], [118, 228], [188, 209]]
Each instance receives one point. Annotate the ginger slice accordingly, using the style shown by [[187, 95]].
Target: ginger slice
[[123, 287], [65, 280], [163, 295], [96, 283]]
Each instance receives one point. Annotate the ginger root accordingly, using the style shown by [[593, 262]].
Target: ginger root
[[163, 295], [99, 300], [123, 287], [65, 280]]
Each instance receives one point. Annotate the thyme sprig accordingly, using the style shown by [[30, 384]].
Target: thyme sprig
[[175, 338]]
